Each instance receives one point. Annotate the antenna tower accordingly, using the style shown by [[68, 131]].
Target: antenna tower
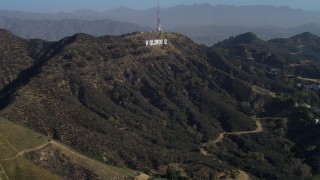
[[159, 27]]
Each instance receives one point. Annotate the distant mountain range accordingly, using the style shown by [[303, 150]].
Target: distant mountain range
[[57, 29], [213, 34], [189, 16], [203, 23]]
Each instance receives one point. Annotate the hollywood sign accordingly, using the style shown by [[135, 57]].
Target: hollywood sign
[[156, 42]]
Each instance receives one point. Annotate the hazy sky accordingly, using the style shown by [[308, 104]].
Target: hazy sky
[[71, 5]]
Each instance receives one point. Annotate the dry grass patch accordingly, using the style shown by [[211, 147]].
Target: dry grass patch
[[22, 168], [20, 137], [7, 152]]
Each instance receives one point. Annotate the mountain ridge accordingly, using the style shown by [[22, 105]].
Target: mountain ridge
[[127, 104], [202, 22], [84, 94], [90, 13], [57, 29]]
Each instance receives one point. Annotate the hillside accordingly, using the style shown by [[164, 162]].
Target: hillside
[[28, 155], [212, 34], [299, 53], [151, 108]]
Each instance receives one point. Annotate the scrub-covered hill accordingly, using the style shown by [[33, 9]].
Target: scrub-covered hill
[[145, 107]]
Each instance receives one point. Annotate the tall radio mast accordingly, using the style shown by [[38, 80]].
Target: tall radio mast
[[159, 28]]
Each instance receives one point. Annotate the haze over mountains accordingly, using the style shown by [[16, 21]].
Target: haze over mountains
[[204, 23], [57, 29]]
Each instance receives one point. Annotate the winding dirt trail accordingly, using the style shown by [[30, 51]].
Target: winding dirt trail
[[59, 146], [21, 153], [2, 171], [223, 134], [263, 91], [243, 175], [259, 129]]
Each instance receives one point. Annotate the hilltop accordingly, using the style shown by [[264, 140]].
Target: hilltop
[[118, 101]]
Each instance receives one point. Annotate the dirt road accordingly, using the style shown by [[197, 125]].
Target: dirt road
[[243, 175], [309, 79], [259, 129], [222, 135]]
